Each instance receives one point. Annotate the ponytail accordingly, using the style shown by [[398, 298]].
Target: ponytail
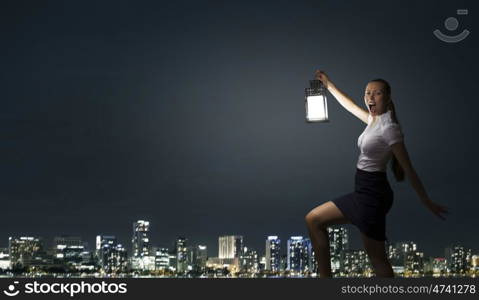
[[395, 166]]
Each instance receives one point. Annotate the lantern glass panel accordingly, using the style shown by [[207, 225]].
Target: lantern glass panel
[[316, 102]]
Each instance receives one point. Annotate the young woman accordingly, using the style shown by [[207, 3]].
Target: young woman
[[367, 206]]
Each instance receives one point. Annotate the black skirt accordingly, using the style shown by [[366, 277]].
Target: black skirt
[[368, 205]]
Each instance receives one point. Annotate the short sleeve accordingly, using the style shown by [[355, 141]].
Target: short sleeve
[[392, 134]]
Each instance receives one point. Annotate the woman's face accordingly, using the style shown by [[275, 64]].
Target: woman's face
[[375, 98]]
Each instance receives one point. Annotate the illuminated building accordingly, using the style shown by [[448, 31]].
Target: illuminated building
[[28, 251], [68, 249], [355, 263], [140, 241], [458, 259], [298, 256], [181, 255], [272, 254], [338, 243], [230, 246], [112, 257]]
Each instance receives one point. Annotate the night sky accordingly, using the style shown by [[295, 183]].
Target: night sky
[[190, 114]]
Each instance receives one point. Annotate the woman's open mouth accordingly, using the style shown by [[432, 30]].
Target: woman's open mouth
[[372, 108]]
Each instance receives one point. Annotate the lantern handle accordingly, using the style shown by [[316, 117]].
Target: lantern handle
[[316, 84]]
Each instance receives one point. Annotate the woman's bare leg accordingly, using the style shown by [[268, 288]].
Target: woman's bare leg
[[317, 221], [378, 257]]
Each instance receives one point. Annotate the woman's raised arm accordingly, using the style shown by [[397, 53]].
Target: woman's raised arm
[[342, 98]]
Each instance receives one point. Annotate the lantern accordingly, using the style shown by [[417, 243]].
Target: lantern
[[316, 103]]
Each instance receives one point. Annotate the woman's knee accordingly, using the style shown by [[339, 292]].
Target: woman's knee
[[314, 220], [324, 215]]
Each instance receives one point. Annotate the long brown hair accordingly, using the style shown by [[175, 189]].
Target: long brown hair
[[395, 166]]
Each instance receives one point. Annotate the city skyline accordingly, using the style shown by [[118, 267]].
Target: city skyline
[[191, 115], [129, 244], [26, 254]]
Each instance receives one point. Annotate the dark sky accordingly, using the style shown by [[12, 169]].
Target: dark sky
[[191, 115]]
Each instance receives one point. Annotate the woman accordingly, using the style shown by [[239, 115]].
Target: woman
[[367, 206]]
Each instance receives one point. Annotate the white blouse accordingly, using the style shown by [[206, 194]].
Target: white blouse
[[375, 142]]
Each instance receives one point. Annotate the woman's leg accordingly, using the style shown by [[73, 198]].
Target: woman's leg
[[377, 255], [317, 221]]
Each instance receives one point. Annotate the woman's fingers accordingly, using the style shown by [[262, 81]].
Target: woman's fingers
[[439, 210], [443, 209], [321, 76]]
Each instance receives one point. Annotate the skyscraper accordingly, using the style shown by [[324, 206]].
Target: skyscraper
[[297, 249], [230, 246], [249, 260], [140, 241], [338, 244], [201, 257], [272, 253], [356, 263], [112, 257], [181, 254], [406, 259], [458, 259]]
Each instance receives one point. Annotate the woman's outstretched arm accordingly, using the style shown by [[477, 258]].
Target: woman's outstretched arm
[[401, 154], [342, 98]]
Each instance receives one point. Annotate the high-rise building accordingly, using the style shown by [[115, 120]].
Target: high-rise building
[[143, 258], [435, 266], [201, 257], [173, 259], [111, 256], [4, 259], [118, 262], [162, 258], [181, 255], [262, 263], [338, 244], [68, 249], [414, 263], [249, 261], [458, 259], [397, 252], [88, 262], [140, 241], [28, 251], [230, 246], [475, 264], [103, 245], [406, 258], [356, 263], [272, 253], [284, 262], [309, 257], [395, 255], [298, 257], [190, 257]]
